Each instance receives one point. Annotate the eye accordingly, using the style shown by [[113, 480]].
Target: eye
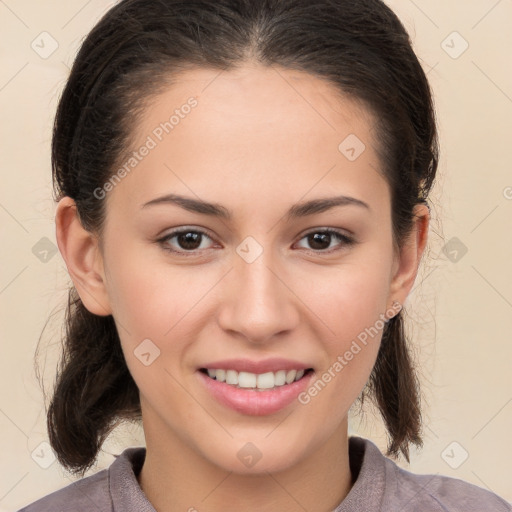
[[187, 240], [320, 240]]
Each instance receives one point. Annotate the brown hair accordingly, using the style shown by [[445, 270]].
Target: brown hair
[[129, 56]]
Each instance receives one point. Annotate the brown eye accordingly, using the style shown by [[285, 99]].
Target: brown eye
[[189, 240], [185, 241], [320, 240]]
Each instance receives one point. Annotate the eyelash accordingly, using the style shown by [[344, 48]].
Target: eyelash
[[347, 241]]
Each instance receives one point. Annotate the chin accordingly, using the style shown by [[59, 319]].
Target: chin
[[252, 458], [263, 466]]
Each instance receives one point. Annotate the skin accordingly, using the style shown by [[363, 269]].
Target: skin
[[259, 140]]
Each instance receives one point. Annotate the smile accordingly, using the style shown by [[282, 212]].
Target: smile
[[255, 381], [255, 394]]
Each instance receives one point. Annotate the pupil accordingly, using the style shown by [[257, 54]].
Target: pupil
[[189, 240], [317, 238]]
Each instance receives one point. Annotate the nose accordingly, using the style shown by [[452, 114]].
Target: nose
[[258, 302]]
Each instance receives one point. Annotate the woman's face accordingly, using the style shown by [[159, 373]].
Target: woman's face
[[257, 286]]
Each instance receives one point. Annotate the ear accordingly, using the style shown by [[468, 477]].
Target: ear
[[407, 262], [81, 252]]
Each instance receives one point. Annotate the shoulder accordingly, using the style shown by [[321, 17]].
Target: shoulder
[[439, 493], [115, 488], [381, 485], [90, 493]]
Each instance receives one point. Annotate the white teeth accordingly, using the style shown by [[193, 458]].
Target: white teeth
[[280, 378], [249, 380], [266, 380], [246, 379], [290, 376], [231, 377]]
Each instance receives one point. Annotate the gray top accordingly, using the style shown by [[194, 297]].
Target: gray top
[[380, 486]]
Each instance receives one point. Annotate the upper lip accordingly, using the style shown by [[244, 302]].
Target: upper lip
[[247, 365]]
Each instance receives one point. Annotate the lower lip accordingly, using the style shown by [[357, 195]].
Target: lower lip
[[254, 402]]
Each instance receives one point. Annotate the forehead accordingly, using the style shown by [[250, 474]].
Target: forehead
[[261, 98], [256, 132]]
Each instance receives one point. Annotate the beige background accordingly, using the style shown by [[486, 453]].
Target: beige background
[[460, 310]]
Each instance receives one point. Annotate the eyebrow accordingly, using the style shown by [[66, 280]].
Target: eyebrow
[[302, 209]]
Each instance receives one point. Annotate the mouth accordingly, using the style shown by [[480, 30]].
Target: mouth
[[255, 394], [255, 388], [257, 381]]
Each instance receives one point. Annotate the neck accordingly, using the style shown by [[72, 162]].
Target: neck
[[176, 477]]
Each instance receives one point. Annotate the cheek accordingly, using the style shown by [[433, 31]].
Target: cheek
[[151, 299], [352, 304], [152, 308], [347, 300]]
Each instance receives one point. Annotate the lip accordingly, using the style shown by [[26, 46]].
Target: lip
[[253, 402], [264, 366]]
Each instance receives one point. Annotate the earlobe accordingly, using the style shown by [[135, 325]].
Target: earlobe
[[83, 258], [410, 256]]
